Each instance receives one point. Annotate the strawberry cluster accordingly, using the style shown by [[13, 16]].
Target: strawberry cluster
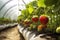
[[43, 19]]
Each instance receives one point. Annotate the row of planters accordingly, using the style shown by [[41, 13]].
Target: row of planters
[[6, 21], [42, 16]]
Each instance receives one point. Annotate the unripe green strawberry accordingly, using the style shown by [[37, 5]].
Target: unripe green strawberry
[[58, 30]]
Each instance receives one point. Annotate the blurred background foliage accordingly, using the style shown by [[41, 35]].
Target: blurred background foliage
[[6, 21]]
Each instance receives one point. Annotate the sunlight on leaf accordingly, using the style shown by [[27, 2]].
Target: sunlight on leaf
[[30, 9], [40, 3]]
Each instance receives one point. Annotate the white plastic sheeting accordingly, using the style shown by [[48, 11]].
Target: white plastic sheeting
[[9, 8], [28, 35]]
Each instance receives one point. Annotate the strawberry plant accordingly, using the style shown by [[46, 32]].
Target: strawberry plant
[[43, 14]]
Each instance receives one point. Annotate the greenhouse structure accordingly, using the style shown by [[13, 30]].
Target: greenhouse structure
[[29, 19]]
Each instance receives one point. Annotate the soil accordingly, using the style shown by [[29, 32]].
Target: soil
[[10, 34]]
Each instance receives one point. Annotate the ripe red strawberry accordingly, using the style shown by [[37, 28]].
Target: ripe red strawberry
[[35, 18], [43, 19]]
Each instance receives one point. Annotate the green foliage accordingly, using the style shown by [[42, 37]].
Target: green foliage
[[6, 21], [33, 3], [50, 2]]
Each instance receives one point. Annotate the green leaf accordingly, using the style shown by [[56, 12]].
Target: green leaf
[[23, 12], [30, 9], [40, 3]]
